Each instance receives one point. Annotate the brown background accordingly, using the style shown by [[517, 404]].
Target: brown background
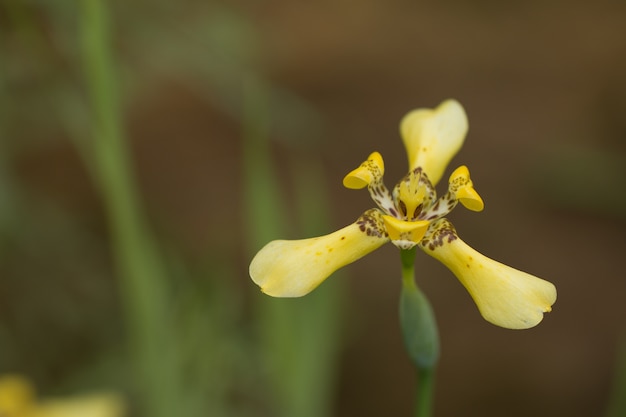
[[543, 85]]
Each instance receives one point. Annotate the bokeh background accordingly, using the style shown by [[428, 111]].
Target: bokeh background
[[238, 121]]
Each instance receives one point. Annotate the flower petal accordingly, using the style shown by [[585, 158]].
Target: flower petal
[[370, 174], [404, 234], [293, 268], [17, 395], [370, 171], [462, 188], [101, 404], [505, 296], [433, 136]]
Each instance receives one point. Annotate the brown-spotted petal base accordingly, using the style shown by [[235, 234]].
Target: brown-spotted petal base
[[293, 268]]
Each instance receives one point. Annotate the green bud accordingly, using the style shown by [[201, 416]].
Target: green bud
[[417, 322]]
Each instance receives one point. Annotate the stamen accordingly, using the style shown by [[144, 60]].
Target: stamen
[[414, 194]]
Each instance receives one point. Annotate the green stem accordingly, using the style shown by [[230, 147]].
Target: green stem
[[420, 334], [408, 267], [300, 339], [143, 282], [424, 391]]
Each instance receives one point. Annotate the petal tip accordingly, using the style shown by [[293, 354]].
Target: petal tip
[[371, 170], [433, 136], [353, 181], [505, 297], [293, 268]]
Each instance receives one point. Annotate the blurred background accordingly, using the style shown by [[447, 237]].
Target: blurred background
[[149, 149]]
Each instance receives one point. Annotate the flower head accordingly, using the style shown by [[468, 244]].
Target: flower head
[[412, 215], [18, 399]]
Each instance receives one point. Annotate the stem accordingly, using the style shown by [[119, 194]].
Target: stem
[[300, 340], [408, 267], [424, 393], [143, 282], [420, 334]]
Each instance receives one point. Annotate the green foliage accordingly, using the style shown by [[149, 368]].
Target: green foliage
[[299, 338], [179, 340]]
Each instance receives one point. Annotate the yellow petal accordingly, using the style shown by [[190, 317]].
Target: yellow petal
[[405, 234], [433, 136], [88, 405], [372, 170], [293, 268], [17, 396], [505, 296], [470, 199], [463, 188]]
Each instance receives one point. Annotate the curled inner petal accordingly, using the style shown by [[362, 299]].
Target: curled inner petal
[[370, 171], [370, 174], [504, 296], [405, 234], [462, 188], [470, 199], [433, 136], [293, 268]]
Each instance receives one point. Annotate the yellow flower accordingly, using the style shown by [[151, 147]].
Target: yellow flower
[[411, 215], [17, 399], [17, 396]]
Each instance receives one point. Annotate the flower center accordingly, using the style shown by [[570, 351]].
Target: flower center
[[413, 194], [411, 208], [412, 197]]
